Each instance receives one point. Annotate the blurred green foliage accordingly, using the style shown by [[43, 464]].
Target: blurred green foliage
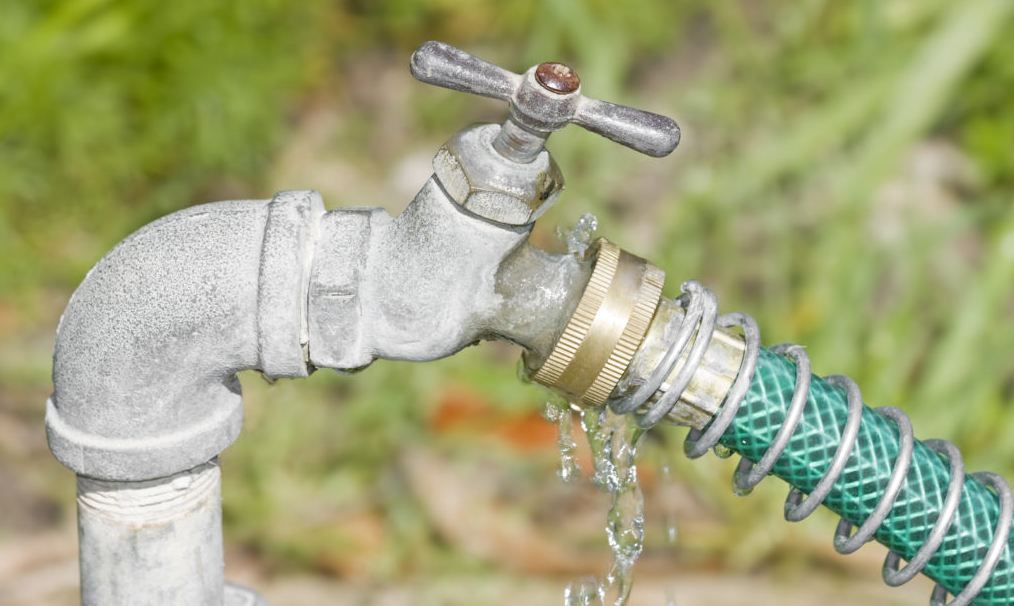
[[114, 113], [846, 175]]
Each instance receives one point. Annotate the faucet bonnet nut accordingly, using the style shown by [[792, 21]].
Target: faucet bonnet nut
[[606, 328], [492, 186]]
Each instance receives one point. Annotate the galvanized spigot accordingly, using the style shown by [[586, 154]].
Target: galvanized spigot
[[502, 172], [145, 389]]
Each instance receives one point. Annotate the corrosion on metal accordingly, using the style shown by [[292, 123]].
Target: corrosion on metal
[[557, 77]]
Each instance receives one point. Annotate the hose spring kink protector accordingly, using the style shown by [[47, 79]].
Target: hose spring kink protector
[[864, 464]]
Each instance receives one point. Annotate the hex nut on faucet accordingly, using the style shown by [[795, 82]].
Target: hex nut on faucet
[[491, 186]]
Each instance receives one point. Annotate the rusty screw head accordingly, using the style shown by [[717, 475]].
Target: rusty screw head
[[558, 78]]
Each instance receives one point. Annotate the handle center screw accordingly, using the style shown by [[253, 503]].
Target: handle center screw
[[557, 78]]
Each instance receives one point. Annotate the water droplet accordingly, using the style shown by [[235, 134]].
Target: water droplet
[[671, 530], [668, 492], [551, 412], [582, 592], [559, 412], [579, 237]]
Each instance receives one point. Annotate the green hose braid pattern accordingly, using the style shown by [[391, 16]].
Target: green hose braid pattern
[[866, 475]]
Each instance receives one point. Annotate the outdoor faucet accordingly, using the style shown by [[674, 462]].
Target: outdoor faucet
[[145, 389], [146, 394]]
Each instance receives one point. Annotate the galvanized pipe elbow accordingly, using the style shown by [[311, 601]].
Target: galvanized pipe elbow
[[148, 348]]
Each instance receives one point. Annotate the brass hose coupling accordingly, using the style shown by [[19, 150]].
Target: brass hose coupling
[[607, 326]]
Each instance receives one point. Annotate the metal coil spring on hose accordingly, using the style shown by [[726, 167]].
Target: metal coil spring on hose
[[692, 338]]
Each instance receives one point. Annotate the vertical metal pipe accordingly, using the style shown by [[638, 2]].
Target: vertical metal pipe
[[152, 543]]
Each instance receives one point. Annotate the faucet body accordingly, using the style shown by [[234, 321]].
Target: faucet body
[[147, 352]]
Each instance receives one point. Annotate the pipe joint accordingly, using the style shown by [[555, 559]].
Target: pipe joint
[[148, 348]]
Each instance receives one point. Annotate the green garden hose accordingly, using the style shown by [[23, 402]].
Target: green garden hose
[[867, 473], [862, 463]]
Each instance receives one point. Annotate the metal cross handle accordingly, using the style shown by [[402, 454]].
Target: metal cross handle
[[545, 98]]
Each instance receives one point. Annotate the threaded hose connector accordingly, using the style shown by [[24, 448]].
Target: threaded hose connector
[[606, 329]]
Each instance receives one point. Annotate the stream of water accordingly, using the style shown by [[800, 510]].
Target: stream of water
[[613, 444]]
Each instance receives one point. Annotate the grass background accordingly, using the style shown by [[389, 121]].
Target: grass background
[[846, 175]]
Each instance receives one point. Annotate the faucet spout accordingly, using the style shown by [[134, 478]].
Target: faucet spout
[[430, 282]]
